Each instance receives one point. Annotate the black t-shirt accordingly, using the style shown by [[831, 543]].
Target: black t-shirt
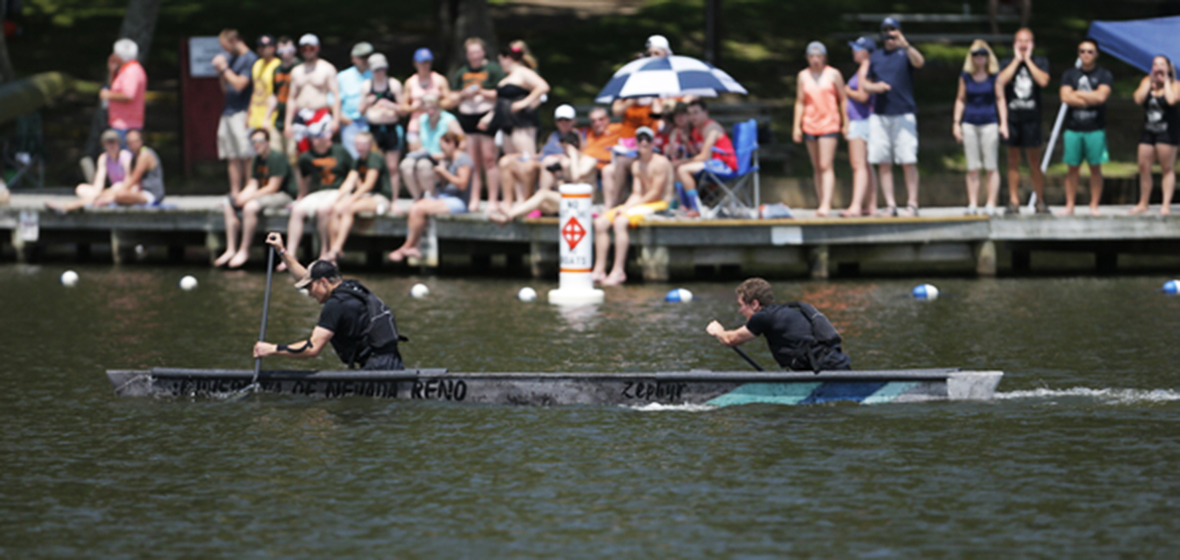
[[327, 170], [342, 314], [1086, 119], [1023, 93], [273, 165], [788, 334]]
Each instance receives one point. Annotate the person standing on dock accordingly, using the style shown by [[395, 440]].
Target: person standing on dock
[[1021, 81], [359, 326], [233, 131], [799, 336], [1085, 90], [893, 126], [307, 103]]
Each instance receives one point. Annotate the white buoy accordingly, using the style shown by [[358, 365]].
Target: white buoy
[[188, 283], [526, 294], [69, 278], [1172, 287], [925, 291], [419, 291], [576, 242], [679, 295]]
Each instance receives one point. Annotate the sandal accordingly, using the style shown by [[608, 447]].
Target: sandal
[[888, 212], [912, 208]]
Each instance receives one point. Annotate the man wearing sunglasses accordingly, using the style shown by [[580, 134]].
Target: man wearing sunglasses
[[311, 82], [1085, 91], [893, 126], [651, 193]]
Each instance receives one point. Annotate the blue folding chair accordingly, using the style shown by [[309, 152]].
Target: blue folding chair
[[737, 190]]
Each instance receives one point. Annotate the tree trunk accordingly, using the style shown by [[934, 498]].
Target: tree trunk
[[7, 73], [139, 24], [460, 20]]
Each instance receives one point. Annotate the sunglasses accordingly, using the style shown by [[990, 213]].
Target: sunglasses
[[644, 138], [308, 48], [888, 29]]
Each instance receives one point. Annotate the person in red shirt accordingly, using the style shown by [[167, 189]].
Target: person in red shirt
[[125, 96], [706, 135]]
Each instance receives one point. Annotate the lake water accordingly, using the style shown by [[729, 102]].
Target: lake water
[[1077, 457]]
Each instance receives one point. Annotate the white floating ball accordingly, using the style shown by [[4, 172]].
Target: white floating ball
[[140, 250], [925, 291], [527, 294], [69, 278], [419, 291], [1172, 287], [188, 283], [679, 295]]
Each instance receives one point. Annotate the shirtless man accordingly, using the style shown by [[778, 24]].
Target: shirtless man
[[653, 188], [311, 82]]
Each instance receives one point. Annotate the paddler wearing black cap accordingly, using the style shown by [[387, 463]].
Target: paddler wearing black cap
[[359, 326], [799, 336]]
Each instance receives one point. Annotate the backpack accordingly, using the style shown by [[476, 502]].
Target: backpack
[[378, 328], [826, 338]]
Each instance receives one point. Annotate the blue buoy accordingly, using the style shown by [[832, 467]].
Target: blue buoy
[[925, 291], [679, 295], [1172, 287]]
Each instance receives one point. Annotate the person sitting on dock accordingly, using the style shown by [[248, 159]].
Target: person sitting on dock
[[366, 189], [571, 167], [113, 165], [799, 336], [653, 189], [269, 187], [360, 327], [453, 174], [323, 168], [144, 184]]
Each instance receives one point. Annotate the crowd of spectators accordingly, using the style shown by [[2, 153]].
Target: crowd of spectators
[[296, 132]]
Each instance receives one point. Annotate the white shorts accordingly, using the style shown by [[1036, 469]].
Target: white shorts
[[233, 137], [981, 142], [313, 202], [858, 130], [893, 139], [382, 202]]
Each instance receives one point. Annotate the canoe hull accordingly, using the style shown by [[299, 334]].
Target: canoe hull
[[556, 389]]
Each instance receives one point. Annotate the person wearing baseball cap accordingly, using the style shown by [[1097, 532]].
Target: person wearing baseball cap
[[307, 101], [350, 81], [658, 46], [263, 74], [425, 81], [650, 193], [542, 171], [893, 126], [860, 93], [359, 326]]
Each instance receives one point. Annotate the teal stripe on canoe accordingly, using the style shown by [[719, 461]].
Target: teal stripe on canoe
[[773, 393], [890, 391]]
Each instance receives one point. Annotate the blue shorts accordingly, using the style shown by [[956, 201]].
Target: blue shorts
[[454, 203]]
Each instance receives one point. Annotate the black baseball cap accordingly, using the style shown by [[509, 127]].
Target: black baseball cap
[[317, 270], [266, 41]]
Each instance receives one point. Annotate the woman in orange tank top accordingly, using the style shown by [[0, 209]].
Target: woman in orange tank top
[[819, 119]]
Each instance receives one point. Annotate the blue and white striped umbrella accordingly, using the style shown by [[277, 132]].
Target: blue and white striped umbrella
[[673, 76]]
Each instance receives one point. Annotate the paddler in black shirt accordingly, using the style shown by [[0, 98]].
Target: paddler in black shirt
[[800, 337], [357, 323]]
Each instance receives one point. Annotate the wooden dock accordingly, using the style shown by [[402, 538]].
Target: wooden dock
[[942, 240]]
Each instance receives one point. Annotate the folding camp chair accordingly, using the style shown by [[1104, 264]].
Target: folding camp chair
[[735, 193]]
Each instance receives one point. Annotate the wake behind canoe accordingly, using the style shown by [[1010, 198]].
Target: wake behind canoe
[[552, 389]]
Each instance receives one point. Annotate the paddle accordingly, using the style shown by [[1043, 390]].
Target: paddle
[[747, 357], [270, 267]]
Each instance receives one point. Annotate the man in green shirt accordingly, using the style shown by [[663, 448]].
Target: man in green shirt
[[322, 169], [366, 189], [269, 186]]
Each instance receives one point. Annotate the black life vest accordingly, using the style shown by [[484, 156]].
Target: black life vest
[[377, 327], [823, 352]]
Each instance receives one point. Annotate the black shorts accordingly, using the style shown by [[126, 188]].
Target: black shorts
[[1024, 135], [1165, 137], [470, 124], [388, 136]]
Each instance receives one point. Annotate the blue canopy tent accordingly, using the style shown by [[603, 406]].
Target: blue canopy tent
[[1135, 42]]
